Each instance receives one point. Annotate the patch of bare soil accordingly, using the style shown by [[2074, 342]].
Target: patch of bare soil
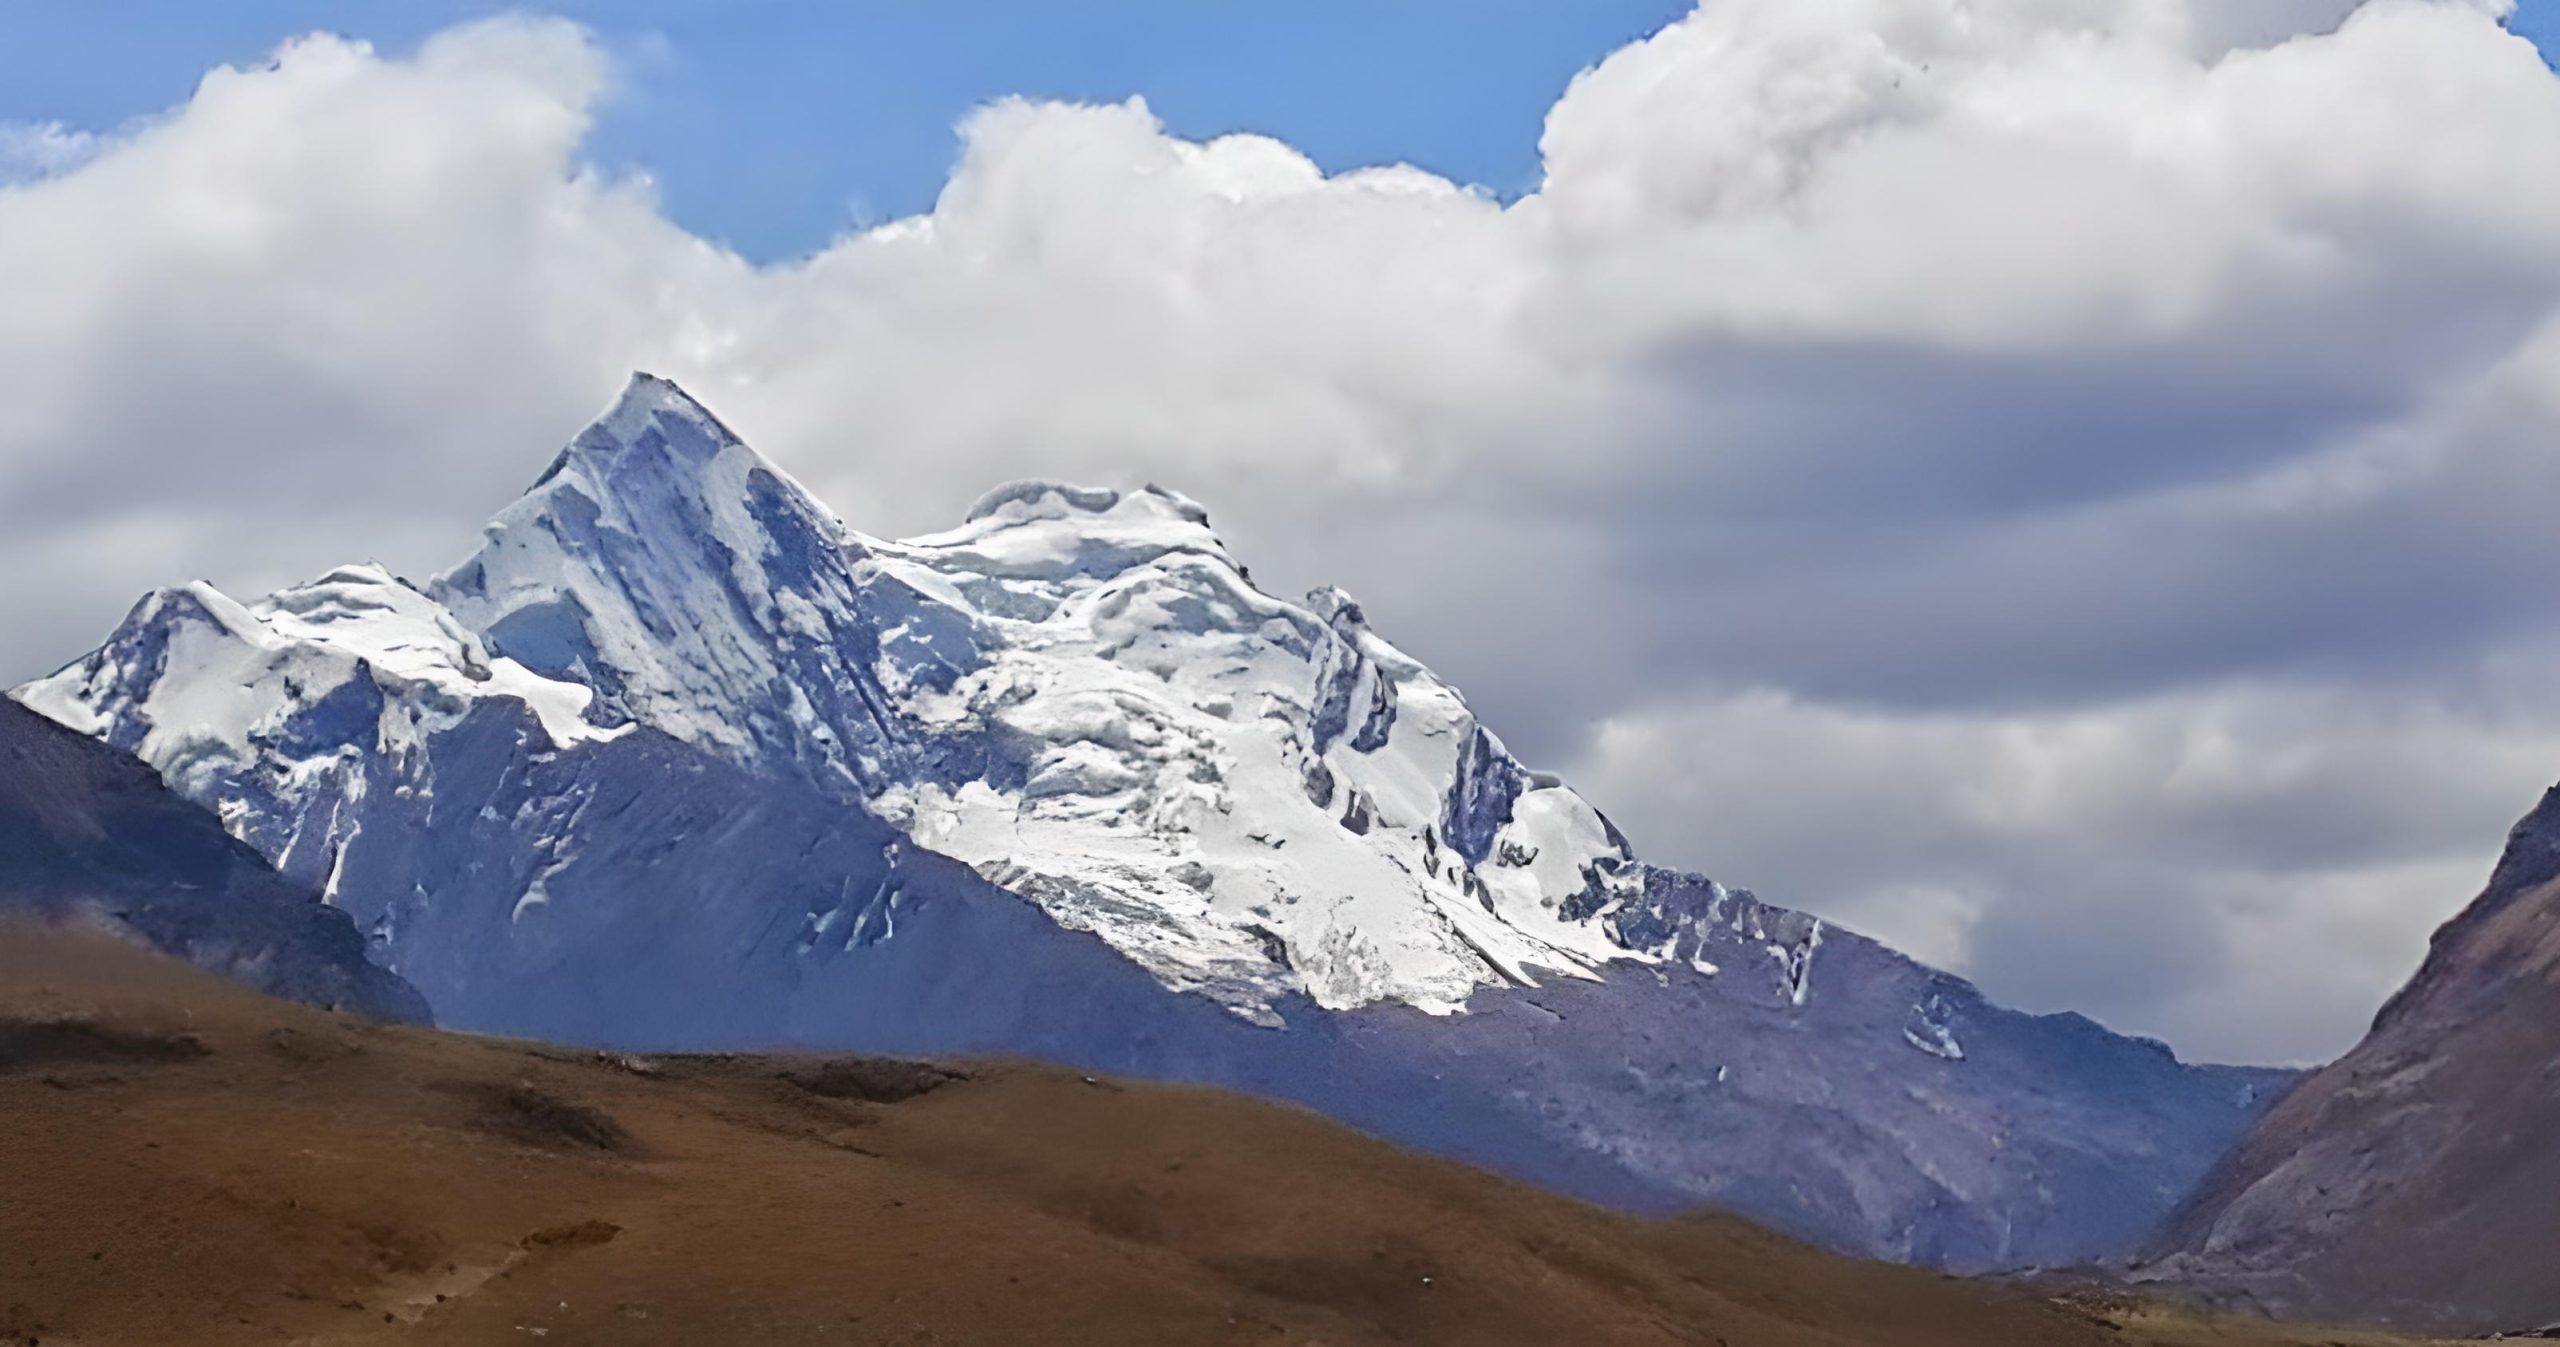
[[31, 1043], [522, 1111], [871, 1080], [255, 1172]]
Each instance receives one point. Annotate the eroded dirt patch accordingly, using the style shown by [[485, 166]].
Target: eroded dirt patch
[[579, 1235], [526, 1113], [1391, 1288], [871, 1080], [33, 1044], [304, 1048]]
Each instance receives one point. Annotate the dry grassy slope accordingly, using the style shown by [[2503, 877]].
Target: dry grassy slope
[[185, 1162]]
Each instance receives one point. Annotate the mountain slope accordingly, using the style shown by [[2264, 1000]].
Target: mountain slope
[[676, 759], [2410, 1182], [90, 835], [189, 1164]]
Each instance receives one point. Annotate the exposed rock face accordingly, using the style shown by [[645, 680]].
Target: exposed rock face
[[675, 758], [89, 834], [2413, 1181]]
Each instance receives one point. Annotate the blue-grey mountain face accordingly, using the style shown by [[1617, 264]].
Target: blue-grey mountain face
[[676, 759], [90, 835]]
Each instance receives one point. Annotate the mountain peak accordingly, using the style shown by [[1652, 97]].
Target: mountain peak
[[652, 419], [667, 565], [656, 473], [648, 397]]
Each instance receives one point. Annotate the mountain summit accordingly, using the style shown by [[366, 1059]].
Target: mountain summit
[[676, 758]]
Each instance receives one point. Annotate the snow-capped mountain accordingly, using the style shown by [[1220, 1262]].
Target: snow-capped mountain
[[677, 758], [1077, 692]]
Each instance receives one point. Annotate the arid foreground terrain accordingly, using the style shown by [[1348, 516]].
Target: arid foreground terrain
[[187, 1162]]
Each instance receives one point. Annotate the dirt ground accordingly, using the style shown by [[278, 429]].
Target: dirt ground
[[184, 1162]]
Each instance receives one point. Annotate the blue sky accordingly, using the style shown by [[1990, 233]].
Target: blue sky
[[2539, 20], [771, 126]]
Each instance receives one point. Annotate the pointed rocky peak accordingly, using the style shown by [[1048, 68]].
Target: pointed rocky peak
[[682, 576], [649, 396], [658, 456], [653, 415], [655, 492]]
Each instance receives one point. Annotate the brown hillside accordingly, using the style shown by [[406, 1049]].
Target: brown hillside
[[186, 1162]]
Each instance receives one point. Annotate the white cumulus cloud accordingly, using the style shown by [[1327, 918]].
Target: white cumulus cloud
[[31, 150]]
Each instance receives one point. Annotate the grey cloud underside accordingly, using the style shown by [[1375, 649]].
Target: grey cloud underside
[[694, 830]]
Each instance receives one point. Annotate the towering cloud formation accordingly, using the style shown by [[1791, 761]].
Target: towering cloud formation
[[2015, 476]]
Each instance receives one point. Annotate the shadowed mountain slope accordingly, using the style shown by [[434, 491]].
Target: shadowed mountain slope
[[90, 835]]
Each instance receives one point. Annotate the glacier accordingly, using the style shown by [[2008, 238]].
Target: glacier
[[677, 759]]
